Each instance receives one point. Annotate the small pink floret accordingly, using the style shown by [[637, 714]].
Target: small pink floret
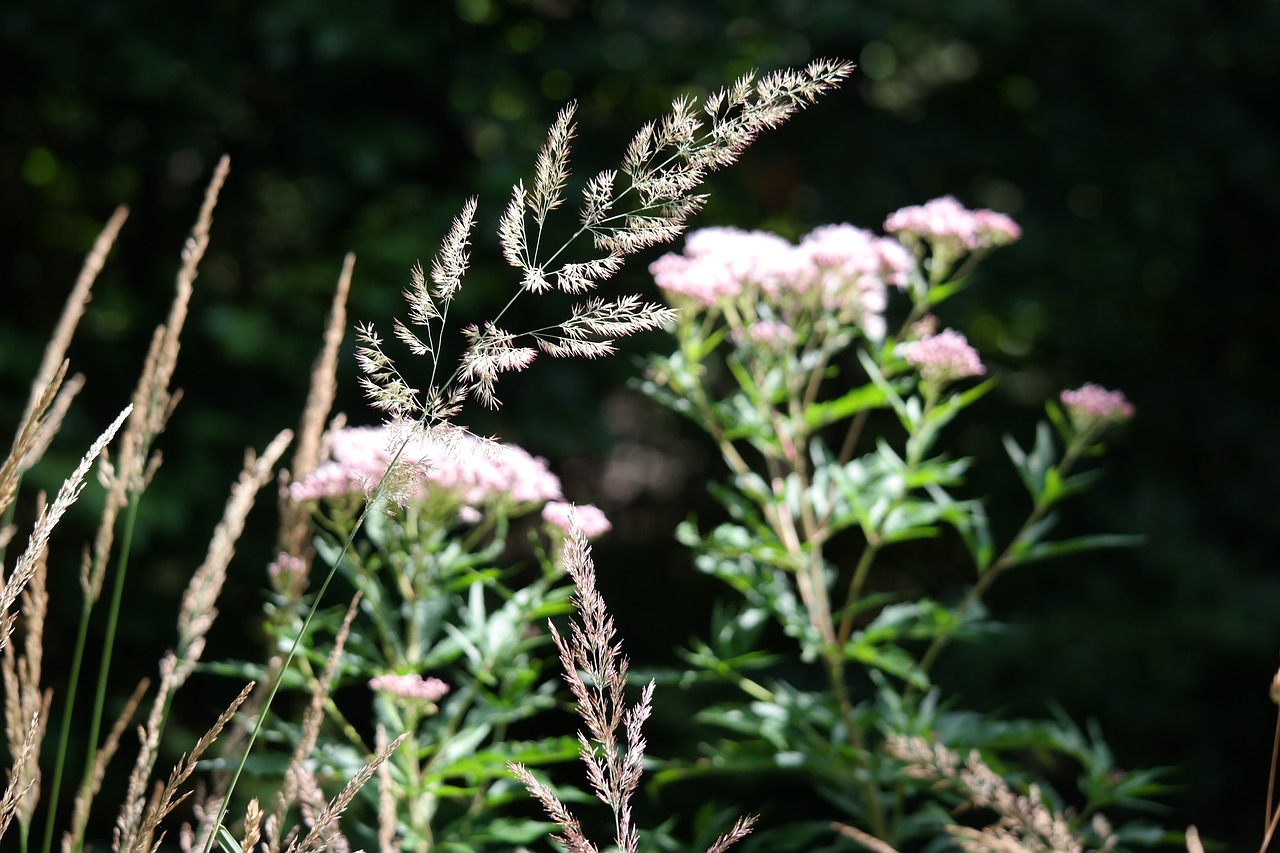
[[589, 519], [286, 564], [411, 686], [1092, 403], [473, 470], [943, 357], [946, 219], [766, 333], [719, 263]]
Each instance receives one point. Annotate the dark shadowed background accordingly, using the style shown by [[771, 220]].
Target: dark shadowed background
[[1130, 139]]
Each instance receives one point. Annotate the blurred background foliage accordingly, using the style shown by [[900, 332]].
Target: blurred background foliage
[[1131, 140]]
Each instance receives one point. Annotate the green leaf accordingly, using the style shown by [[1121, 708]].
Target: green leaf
[[492, 763], [970, 521], [1033, 467], [508, 831], [942, 414], [1060, 421], [939, 292], [891, 659], [891, 395], [911, 519], [822, 414], [1049, 550], [456, 749], [227, 841]]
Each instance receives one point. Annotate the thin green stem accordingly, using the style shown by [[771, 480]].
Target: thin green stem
[[64, 729], [856, 583], [288, 661], [851, 437], [834, 660], [1002, 563], [108, 646]]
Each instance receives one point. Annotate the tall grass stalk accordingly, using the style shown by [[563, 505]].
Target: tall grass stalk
[[225, 805], [54, 355], [153, 403], [30, 560]]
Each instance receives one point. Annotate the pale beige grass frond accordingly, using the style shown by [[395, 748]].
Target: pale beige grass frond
[[101, 759], [198, 610], [49, 518], [24, 700], [134, 808], [17, 790], [388, 823], [169, 797], [52, 421], [294, 535], [596, 671], [252, 825], [192, 253], [295, 773], [326, 823], [153, 401], [55, 351], [28, 437], [1025, 823], [741, 829], [195, 618], [866, 839]]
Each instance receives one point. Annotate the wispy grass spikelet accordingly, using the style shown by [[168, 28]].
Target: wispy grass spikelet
[[199, 608], [25, 703], [326, 823], [1025, 822], [19, 777], [288, 794], [169, 796], [551, 170], [49, 518], [85, 796], [451, 264], [662, 168], [612, 746], [295, 529], [56, 350]]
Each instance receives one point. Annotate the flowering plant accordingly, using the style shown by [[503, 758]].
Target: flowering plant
[[427, 679], [416, 515], [832, 428], [445, 645]]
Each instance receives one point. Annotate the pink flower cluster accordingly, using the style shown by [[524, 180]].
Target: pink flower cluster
[[945, 220], [589, 519], [411, 686], [943, 357], [766, 333], [1092, 404], [473, 471], [839, 268], [287, 573], [720, 263]]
